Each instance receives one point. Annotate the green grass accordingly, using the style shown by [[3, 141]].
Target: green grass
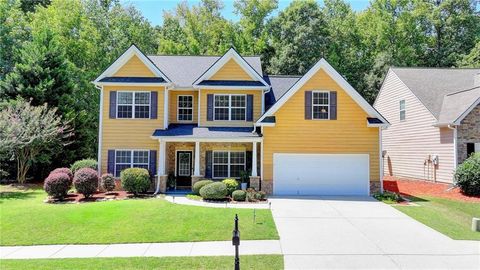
[[223, 262], [452, 218], [26, 220]]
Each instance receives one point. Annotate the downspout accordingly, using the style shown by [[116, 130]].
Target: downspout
[[100, 127], [455, 158], [381, 158]]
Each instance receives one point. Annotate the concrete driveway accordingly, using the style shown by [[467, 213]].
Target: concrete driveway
[[362, 233]]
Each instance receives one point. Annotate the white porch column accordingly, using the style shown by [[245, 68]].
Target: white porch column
[[161, 159], [196, 171], [254, 159]]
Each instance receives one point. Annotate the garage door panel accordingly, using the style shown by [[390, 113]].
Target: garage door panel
[[321, 174]]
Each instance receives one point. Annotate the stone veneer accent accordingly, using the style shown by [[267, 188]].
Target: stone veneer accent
[[163, 183], [255, 182], [468, 132], [171, 153], [375, 187], [267, 186], [195, 179], [206, 146]]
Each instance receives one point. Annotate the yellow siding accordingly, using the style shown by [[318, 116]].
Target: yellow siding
[[173, 105], [293, 134], [231, 71], [129, 133], [257, 108], [134, 68]]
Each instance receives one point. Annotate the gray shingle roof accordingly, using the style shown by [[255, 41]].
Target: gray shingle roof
[[183, 70], [230, 83], [193, 131], [430, 85], [455, 104], [280, 85]]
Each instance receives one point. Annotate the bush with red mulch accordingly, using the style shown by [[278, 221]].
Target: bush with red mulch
[[411, 187]]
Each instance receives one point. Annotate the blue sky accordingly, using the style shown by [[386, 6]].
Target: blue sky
[[153, 9]]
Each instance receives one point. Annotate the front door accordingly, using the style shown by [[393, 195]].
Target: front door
[[184, 169]]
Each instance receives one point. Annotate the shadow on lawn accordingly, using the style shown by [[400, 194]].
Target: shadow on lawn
[[15, 195], [414, 199]]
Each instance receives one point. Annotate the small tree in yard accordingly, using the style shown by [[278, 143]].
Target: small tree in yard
[[26, 131]]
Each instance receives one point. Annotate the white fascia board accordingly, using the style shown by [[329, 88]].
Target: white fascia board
[[218, 87], [133, 50], [129, 84], [323, 64], [378, 125], [265, 124], [231, 53]]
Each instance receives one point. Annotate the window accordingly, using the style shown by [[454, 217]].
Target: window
[[130, 159], [230, 107], [185, 108], [133, 104], [320, 105], [402, 110], [228, 164]]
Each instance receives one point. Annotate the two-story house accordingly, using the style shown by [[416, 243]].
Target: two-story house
[[218, 116]]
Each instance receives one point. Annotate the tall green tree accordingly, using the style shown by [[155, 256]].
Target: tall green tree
[[472, 59], [251, 36], [298, 37]]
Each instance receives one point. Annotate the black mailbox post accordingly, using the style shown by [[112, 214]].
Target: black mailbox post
[[236, 242]]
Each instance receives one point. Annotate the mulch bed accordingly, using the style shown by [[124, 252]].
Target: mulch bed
[[419, 187], [100, 196]]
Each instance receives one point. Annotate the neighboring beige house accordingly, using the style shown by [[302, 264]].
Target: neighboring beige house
[[435, 121]]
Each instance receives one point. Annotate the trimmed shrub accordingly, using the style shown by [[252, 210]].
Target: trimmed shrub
[[198, 185], [239, 195], [467, 175], [57, 185], [85, 181], [108, 182], [260, 195], [231, 184], [67, 171], [135, 180], [251, 195], [214, 191], [84, 163]]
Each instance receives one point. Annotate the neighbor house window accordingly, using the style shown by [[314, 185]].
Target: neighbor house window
[[230, 107], [320, 105], [228, 164], [402, 110], [133, 104], [130, 159], [185, 108]]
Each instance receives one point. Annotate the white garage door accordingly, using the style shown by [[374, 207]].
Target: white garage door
[[320, 174]]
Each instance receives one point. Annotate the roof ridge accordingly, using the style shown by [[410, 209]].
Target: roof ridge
[[461, 91], [284, 75], [442, 68]]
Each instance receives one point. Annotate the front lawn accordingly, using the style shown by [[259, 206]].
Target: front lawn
[[223, 262], [26, 220], [450, 217]]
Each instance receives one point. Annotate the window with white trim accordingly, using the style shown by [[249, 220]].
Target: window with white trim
[[402, 110], [228, 164], [130, 159], [230, 107], [185, 108], [133, 104], [320, 105]]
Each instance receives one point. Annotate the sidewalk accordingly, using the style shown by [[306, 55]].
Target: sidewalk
[[182, 199], [216, 248]]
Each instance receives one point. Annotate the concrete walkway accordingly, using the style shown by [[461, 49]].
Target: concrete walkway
[[182, 199], [362, 233], [216, 248]]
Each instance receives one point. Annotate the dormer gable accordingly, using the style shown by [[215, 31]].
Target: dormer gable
[[133, 65], [230, 70]]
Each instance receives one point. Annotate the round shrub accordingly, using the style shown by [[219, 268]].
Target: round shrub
[[467, 175], [85, 181], [84, 163], [57, 185], [67, 171], [231, 184], [135, 180], [239, 195], [108, 182], [214, 191], [198, 185]]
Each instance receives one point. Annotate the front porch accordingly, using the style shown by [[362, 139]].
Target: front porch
[[188, 154]]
